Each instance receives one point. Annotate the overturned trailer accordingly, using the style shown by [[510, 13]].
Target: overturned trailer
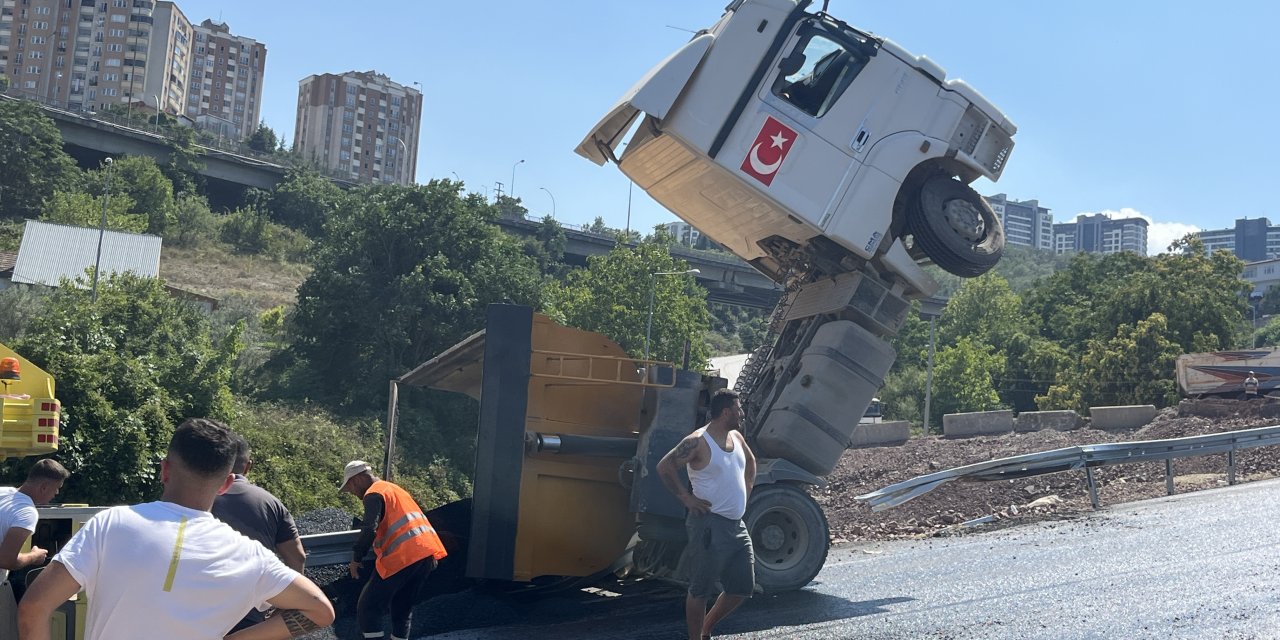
[[570, 432]]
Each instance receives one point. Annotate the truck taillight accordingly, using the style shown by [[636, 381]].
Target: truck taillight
[[48, 406], [47, 438], [48, 422]]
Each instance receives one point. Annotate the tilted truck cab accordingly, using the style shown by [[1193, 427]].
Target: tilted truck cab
[[779, 131]]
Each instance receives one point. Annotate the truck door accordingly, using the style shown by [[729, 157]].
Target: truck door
[[804, 99]]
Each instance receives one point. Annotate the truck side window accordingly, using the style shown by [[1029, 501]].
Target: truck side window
[[825, 70]]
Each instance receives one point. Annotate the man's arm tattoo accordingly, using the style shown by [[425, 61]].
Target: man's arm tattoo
[[684, 451], [297, 622]]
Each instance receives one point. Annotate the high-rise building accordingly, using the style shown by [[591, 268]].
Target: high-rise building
[[359, 124], [1098, 233], [684, 233], [1026, 223], [170, 38], [1250, 239], [89, 55], [226, 81]]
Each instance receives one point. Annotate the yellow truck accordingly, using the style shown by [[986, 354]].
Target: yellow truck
[[29, 419]]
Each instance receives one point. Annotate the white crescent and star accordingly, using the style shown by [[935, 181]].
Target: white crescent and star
[[778, 140]]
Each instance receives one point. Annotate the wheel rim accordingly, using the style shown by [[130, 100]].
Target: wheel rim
[[781, 538], [964, 219]]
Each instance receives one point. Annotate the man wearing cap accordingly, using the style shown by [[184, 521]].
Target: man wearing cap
[[1250, 387], [406, 546]]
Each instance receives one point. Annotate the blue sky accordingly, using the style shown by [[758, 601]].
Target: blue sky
[[1164, 109]]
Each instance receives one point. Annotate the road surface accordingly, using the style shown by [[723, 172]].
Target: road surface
[[1199, 565]]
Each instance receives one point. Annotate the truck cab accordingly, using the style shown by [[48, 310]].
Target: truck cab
[[787, 135]]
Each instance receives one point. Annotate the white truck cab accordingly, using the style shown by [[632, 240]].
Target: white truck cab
[[791, 137]]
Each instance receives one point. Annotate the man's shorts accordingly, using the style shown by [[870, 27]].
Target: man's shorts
[[720, 556]]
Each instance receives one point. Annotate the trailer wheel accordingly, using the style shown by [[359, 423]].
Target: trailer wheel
[[955, 227], [790, 536]]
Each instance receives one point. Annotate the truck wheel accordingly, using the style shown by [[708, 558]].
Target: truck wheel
[[955, 227], [790, 536]]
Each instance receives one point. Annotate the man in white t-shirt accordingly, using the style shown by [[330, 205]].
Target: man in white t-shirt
[[18, 518], [169, 569]]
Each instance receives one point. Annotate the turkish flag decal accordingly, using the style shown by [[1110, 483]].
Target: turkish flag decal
[[768, 151]]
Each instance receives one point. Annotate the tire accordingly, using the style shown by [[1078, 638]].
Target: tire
[[955, 227], [790, 536]]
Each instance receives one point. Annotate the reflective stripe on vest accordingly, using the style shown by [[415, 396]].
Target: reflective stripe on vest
[[403, 521]]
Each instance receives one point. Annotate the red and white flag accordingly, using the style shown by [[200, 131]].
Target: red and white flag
[[768, 151]]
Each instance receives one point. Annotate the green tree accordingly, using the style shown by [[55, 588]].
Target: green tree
[[964, 379], [611, 296], [264, 139], [984, 309], [146, 185], [305, 200], [184, 164], [193, 222], [903, 395], [1268, 335], [547, 247], [129, 367], [84, 210], [1270, 303], [1133, 367], [510, 208], [400, 274], [32, 163]]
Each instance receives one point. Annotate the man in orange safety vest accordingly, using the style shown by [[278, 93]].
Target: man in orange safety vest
[[406, 546]]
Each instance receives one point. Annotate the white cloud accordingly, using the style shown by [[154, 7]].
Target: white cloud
[[1159, 234]]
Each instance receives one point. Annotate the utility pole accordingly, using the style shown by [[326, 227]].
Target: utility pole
[[102, 226]]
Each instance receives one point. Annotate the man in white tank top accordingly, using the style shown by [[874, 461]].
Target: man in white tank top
[[722, 471]]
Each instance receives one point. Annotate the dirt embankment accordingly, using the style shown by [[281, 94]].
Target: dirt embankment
[[1050, 496]]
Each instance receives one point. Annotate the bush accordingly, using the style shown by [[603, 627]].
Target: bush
[[19, 304], [250, 231], [298, 453], [193, 223]]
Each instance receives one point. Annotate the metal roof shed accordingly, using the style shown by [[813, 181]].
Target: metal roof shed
[[50, 252]]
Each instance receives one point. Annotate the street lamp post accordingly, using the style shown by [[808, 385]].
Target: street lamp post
[[553, 200], [511, 191], [102, 226], [653, 284], [403, 156], [156, 130], [629, 183]]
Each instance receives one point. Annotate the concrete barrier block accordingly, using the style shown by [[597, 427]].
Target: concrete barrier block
[[981, 423], [882, 434], [1028, 421], [1126, 417]]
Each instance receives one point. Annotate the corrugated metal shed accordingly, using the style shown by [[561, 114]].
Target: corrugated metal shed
[[50, 252]]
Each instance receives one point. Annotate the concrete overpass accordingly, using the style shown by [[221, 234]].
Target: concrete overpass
[[727, 279], [102, 138]]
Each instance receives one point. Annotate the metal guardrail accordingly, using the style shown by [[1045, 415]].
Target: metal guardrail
[[329, 548], [1086, 457]]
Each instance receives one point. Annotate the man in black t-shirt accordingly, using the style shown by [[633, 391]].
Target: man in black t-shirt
[[256, 513]]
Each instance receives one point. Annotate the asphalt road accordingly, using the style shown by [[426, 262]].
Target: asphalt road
[[1200, 565]]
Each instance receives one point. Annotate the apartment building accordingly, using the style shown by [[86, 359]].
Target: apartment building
[[1098, 233], [226, 75], [170, 49], [1250, 239], [359, 124], [1026, 223], [92, 54]]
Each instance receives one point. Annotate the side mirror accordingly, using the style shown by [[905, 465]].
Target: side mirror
[[792, 63]]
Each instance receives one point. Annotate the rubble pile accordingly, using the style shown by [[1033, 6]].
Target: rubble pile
[[951, 507]]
